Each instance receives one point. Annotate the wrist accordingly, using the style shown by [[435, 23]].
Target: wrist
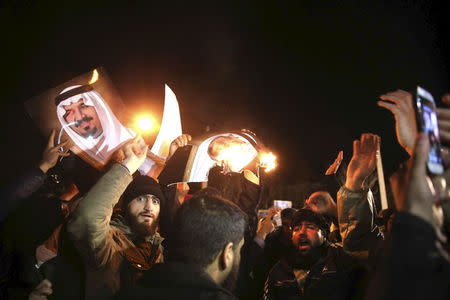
[[44, 167], [261, 235], [353, 185], [125, 167]]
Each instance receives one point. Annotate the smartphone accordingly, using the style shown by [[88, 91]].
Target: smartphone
[[282, 204], [262, 213], [427, 123], [277, 219]]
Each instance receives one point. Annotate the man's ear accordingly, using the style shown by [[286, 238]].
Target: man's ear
[[226, 256]]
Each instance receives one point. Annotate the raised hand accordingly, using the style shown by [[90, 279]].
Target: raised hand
[[322, 203], [363, 161], [135, 152], [332, 169], [52, 153], [179, 142], [400, 104]]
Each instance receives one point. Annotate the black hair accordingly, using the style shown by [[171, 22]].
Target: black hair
[[305, 214], [203, 226], [288, 213]]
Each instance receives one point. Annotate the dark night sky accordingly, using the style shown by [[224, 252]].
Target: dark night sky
[[304, 76]]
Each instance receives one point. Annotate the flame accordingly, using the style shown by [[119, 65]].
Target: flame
[[94, 77], [144, 123], [268, 161], [235, 155]]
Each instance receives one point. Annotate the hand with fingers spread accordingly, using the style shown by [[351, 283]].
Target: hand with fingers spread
[[443, 115], [52, 153], [135, 152], [363, 161], [179, 142], [400, 104], [41, 292], [332, 169]]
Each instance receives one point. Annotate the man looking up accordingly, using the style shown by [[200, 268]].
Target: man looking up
[[118, 249], [316, 269], [205, 254]]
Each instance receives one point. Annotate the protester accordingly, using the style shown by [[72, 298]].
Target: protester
[[27, 217], [414, 265], [278, 243], [317, 269], [117, 251], [31, 181], [204, 260], [356, 209]]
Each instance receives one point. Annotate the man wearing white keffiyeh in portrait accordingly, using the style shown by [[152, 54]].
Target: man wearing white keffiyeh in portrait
[[90, 123]]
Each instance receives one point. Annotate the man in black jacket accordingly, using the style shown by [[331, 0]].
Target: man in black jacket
[[317, 269], [205, 254]]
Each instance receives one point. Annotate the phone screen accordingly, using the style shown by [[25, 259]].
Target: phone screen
[[427, 121], [282, 204]]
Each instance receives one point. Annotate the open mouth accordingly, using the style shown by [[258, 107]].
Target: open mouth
[[303, 245], [147, 216]]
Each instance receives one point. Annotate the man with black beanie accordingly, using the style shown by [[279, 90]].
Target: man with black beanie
[[118, 247], [316, 269]]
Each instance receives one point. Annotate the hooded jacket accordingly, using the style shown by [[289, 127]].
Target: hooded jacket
[[114, 256]]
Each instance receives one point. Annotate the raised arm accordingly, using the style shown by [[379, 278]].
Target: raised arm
[[400, 104], [89, 226], [355, 202], [32, 180]]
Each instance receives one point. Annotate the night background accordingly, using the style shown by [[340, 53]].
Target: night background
[[303, 75]]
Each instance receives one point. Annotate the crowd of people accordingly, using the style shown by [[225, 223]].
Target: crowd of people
[[117, 234]]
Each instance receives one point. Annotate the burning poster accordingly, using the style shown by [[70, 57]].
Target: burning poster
[[233, 151]]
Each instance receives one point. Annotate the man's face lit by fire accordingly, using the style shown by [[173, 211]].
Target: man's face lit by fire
[[306, 237], [88, 123]]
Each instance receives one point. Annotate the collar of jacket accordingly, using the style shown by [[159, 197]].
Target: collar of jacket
[[120, 223], [177, 275], [325, 264]]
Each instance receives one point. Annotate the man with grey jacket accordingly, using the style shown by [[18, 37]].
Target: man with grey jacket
[[118, 247]]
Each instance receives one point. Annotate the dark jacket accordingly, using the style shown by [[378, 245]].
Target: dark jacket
[[27, 217], [20, 190], [277, 246], [336, 275], [174, 280], [413, 264], [356, 216]]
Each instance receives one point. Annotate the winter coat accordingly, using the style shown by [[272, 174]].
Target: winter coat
[[413, 263], [336, 275], [114, 256], [356, 216]]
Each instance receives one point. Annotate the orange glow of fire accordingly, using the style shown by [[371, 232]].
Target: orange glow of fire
[[268, 161], [144, 123], [235, 155], [94, 77]]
